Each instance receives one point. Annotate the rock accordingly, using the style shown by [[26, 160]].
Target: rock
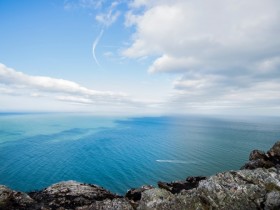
[[257, 154], [243, 189], [134, 194], [260, 163], [178, 186], [115, 204], [10, 199], [274, 154], [272, 200], [156, 199], [194, 180], [71, 194], [233, 190], [173, 187], [259, 159], [275, 150]]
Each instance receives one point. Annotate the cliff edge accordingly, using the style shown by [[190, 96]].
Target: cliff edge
[[255, 186]]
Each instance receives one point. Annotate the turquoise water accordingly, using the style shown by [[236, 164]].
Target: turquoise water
[[37, 150]]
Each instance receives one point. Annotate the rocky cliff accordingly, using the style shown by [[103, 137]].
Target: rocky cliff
[[255, 186]]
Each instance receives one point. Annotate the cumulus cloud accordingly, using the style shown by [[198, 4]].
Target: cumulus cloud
[[226, 52], [207, 31], [12, 82]]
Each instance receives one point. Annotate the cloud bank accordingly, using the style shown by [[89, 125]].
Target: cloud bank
[[226, 53], [13, 82]]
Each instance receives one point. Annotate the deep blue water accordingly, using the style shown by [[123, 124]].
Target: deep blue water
[[37, 150]]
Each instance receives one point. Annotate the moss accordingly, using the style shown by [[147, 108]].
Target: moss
[[272, 187]]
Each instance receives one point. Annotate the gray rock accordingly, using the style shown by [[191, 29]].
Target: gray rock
[[135, 194], [275, 150], [115, 204], [71, 195], [272, 201], [156, 199], [177, 186], [257, 154], [259, 159], [260, 163], [10, 199], [244, 189]]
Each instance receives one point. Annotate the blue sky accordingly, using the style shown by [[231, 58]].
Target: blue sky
[[149, 57]]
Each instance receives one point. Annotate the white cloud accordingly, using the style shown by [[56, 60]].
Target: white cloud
[[170, 64], [11, 77], [21, 92], [227, 52], [210, 32], [13, 82], [199, 82], [130, 19], [6, 90], [36, 95], [221, 92], [109, 18], [107, 14], [75, 99]]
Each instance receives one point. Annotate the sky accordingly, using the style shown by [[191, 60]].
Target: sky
[[140, 57]]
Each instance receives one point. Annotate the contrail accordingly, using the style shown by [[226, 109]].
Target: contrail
[[95, 43]]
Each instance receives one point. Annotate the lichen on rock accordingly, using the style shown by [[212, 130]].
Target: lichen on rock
[[10, 199]]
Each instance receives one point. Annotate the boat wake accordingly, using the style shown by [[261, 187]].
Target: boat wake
[[176, 161]]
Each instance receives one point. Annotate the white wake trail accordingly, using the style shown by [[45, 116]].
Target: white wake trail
[[175, 161]]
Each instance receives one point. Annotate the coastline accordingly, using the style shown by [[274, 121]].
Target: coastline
[[255, 186], [131, 152]]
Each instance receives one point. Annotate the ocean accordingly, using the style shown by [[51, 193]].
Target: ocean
[[37, 150]]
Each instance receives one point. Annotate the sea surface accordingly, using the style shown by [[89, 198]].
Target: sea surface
[[37, 150]]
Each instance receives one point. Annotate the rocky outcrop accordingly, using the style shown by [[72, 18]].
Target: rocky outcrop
[[177, 186], [134, 195], [64, 195], [244, 189], [260, 159], [71, 195], [10, 199], [256, 186]]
